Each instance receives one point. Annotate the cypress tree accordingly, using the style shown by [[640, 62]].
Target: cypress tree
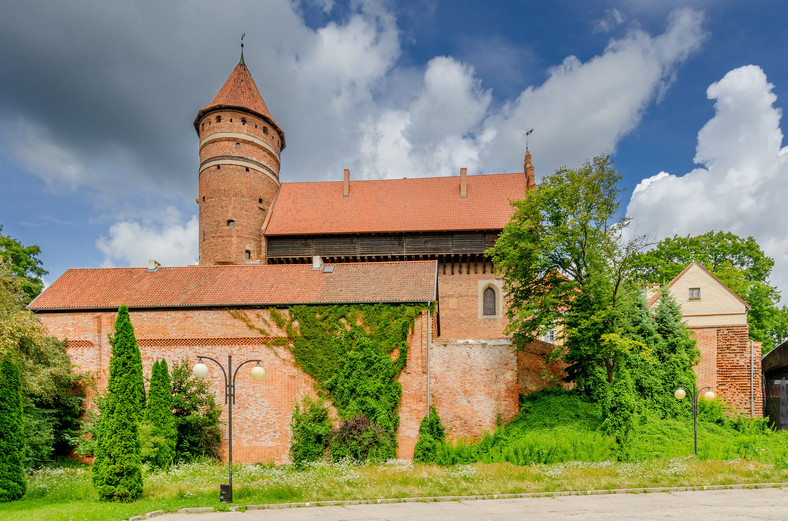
[[117, 470], [159, 416], [12, 438]]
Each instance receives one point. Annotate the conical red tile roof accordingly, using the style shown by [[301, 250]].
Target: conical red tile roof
[[240, 92]]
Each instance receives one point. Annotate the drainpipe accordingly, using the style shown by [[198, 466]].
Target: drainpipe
[[429, 340], [752, 380]]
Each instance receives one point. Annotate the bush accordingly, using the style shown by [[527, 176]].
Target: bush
[[432, 434], [196, 415], [12, 437], [359, 439], [311, 428]]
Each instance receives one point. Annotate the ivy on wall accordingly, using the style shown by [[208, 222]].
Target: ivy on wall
[[354, 352]]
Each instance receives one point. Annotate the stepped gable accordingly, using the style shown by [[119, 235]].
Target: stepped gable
[[240, 92], [239, 285], [396, 205]]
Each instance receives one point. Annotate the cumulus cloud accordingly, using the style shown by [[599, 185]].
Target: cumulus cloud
[[742, 184], [165, 238]]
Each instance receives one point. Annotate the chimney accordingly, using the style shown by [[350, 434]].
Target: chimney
[[528, 169], [317, 263], [346, 190], [463, 183], [153, 265]]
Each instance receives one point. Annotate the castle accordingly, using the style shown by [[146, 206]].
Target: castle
[[264, 243]]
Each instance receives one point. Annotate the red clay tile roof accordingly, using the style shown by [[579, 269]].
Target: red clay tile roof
[[231, 286], [239, 91], [395, 205]]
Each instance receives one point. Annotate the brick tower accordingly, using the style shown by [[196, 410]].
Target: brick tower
[[240, 144]]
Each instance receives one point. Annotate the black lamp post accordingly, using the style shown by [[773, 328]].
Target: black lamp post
[[200, 370], [708, 396]]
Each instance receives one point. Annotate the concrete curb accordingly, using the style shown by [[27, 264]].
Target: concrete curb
[[437, 499]]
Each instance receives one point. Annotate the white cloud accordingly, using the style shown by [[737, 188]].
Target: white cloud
[[164, 238], [743, 184]]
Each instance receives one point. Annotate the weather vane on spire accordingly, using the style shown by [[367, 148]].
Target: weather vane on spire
[[526, 134], [243, 35]]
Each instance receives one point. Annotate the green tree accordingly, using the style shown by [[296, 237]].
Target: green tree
[[117, 469], [12, 437], [564, 259], [738, 262], [24, 262], [162, 436], [196, 414]]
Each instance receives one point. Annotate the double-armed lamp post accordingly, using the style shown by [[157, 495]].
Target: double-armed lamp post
[[708, 395], [200, 370]]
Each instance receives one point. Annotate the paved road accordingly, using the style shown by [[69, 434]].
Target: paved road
[[713, 505]]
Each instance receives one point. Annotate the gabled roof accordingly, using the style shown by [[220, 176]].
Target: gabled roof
[[235, 286], [395, 205], [685, 270], [240, 92]]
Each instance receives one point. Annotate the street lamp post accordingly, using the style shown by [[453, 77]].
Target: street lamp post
[[680, 393], [200, 370]]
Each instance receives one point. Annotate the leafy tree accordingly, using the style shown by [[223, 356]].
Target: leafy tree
[[564, 259], [12, 437], [162, 436], [196, 414], [432, 434], [117, 469], [24, 262], [52, 394], [311, 428], [739, 263]]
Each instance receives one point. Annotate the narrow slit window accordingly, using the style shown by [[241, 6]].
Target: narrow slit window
[[218, 119], [243, 121], [247, 255], [694, 293], [488, 302]]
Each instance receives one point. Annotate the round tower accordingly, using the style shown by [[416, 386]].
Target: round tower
[[240, 144]]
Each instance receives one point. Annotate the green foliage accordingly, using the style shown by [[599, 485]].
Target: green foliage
[[196, 415], [359, 439], [563, 259], [24, 263], [12, 436], [739, 263], [311, 428], [432, 435], [620, 409], [160, 435], [117, 469]]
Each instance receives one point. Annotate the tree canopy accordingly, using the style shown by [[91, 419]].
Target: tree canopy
[[738, 262], [23, 262]]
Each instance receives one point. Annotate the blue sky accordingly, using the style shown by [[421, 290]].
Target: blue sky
[[98, 157]]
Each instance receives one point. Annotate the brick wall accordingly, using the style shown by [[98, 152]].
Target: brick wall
[[459, 297], [471, 382], [533, 374], [739, 370]]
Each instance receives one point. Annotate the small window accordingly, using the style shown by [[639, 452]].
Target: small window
[[247, 255], [231, 120], [203, 198], [237, 145], [489, 302], [265, 130], [694, 293], [218, 119], [260, 200], [549, 336], [230, 223], [243, 122], [247, 168]]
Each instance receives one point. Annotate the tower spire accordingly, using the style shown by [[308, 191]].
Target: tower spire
[[528, 167], [242, 50]]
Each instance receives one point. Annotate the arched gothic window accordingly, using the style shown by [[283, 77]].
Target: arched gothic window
[[488, 301]]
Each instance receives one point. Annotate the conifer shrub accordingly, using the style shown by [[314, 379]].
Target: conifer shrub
[[159, 435], [12, 437], [311, 428], [117, 469], [359, 439], [432, 434]]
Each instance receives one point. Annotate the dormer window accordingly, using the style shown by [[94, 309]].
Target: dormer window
[[694, 293]]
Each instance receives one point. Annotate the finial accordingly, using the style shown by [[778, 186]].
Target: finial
[[242, 50], [527, 133]]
